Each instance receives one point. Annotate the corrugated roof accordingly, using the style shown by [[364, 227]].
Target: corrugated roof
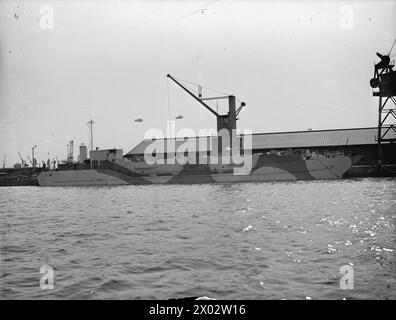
[[298, 139], [315, 138], [141, 147]]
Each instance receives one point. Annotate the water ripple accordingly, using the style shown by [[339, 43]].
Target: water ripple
[[224, 241]]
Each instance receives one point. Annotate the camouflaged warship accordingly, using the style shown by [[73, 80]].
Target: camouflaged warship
[[265, 167], [226, 157]]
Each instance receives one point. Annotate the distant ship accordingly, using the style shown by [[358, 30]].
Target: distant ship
[[111, 167]]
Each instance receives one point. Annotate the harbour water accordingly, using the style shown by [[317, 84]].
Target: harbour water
[[225, 241]]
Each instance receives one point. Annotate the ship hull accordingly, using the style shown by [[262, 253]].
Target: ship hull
[[264, 168]]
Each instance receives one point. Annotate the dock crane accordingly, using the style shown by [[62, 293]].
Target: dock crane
[[30, 160], [384, 87], [23, 162], [226, 121]]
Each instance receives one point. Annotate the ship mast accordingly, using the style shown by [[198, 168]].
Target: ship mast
[[90, 124]]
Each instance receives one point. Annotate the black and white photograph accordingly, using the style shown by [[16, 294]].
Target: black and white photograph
[[199, 154]]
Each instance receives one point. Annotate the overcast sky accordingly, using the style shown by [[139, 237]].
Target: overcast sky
[[296, 64]]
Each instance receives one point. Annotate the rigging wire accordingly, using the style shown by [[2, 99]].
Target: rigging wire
[[167, 82], [196, 84], [215, 105], [389, 170], [392, 47], [198, 88]]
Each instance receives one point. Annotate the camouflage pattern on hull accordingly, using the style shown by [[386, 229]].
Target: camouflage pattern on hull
[[264, 167]]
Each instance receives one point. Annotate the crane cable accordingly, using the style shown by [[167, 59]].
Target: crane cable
[[196, 84], [189, 85], [392, 47], [167, 82], [211, 103]]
